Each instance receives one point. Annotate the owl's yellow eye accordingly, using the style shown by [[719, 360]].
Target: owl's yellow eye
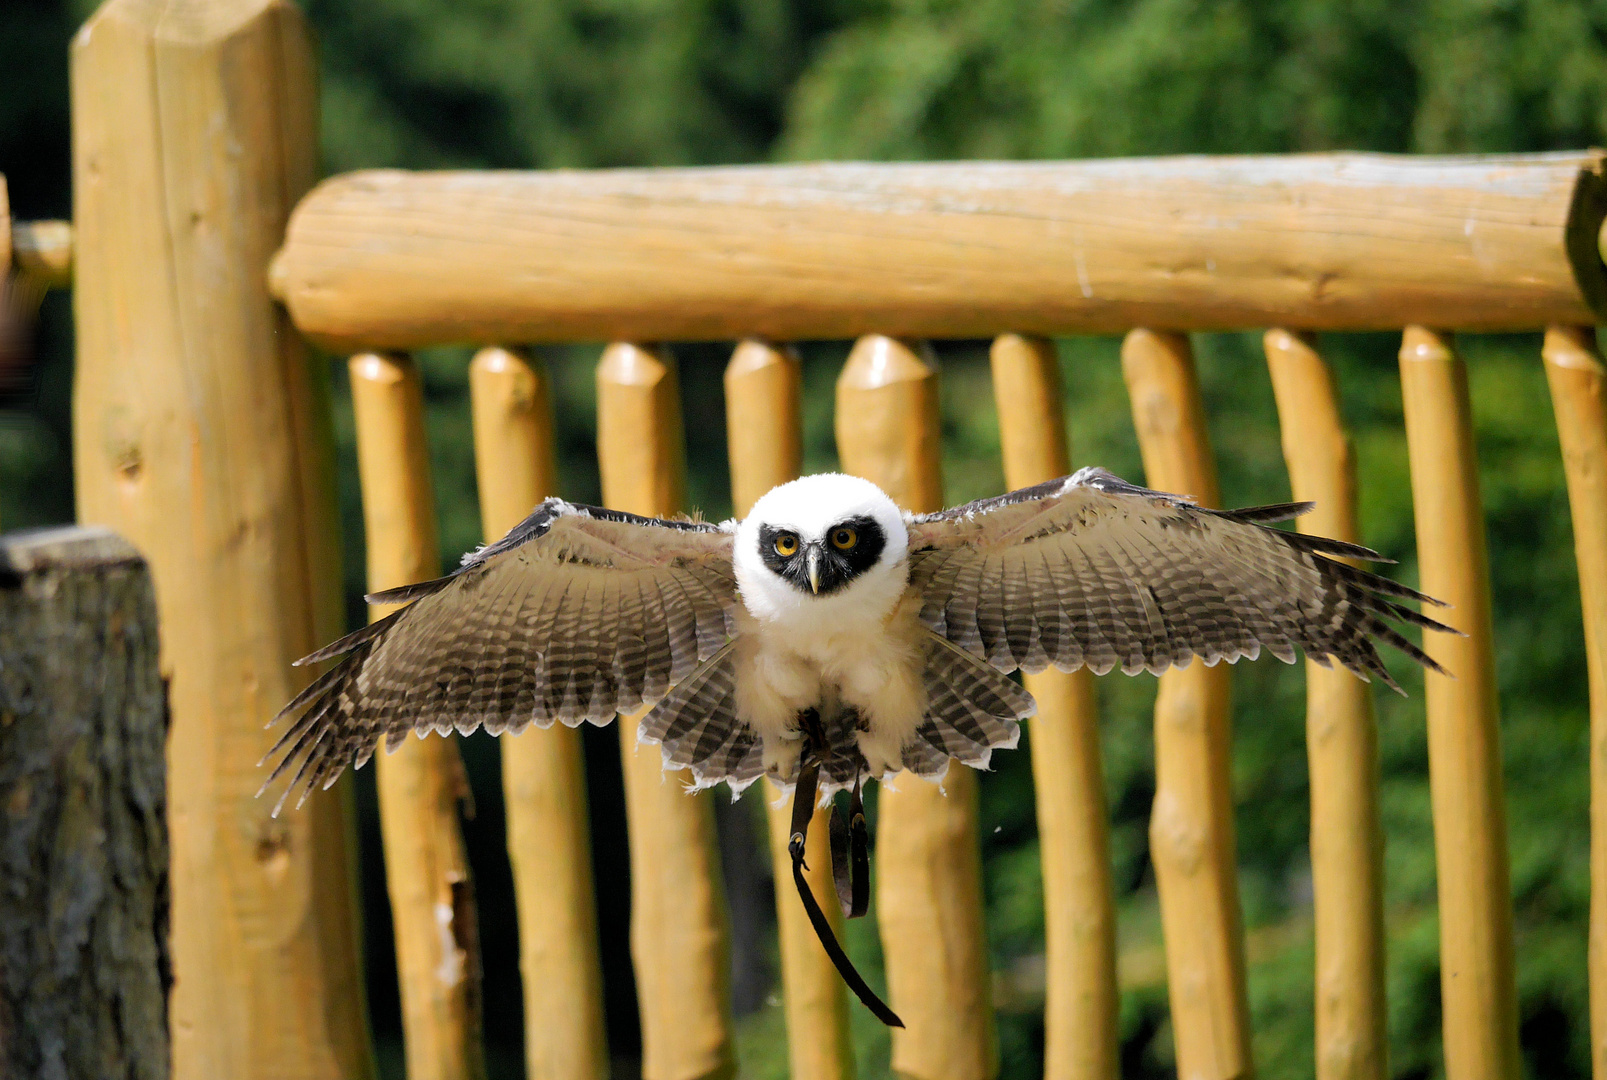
[[844, 539], [786, 545]]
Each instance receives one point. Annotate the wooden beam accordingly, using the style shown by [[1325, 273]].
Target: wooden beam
[[1191, 826], [1477, 981], [680, 939], [1579, 396], [543, 772], [1326, 241], [764, 425], [201, 432], [928, 857], [1081, 1005], [1347, 842], [422, 785]]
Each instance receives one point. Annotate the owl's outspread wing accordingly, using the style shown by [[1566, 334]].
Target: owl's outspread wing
[[577, 614], [1089, 570]]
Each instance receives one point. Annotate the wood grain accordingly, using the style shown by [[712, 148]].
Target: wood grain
[[1477, 988], [1347, 843], [422, 785], [1081, 1004], [543, 772], [680, 939], [764, 426], [928, 858], [973, 249], [201, 432], [1191, 825]]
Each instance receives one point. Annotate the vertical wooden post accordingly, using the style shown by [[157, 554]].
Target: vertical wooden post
[[764, 426], [1464, 742], [422, 784], [929, 889], [1191, 825], [679, 931], [201, 433], [1579, 396], [543, 772], [1081, 1006], [1347, 844]]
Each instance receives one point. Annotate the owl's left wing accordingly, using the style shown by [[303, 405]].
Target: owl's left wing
[[577, 614], [1089, 570]]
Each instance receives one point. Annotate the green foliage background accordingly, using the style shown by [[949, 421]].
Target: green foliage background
[[545, 83]]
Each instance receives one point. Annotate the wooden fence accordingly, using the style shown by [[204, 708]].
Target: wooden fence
[[203, 255]]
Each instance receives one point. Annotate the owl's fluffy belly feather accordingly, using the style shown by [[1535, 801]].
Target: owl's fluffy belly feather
[[872, 665]]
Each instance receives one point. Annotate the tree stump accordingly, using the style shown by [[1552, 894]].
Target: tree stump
[[84, 967]]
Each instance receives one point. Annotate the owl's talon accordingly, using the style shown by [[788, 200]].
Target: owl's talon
[[882, 755], [781, 756]]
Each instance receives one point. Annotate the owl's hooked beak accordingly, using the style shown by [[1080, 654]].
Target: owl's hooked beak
[[813, 563]]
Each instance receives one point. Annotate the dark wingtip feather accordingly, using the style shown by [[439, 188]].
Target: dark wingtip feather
[[404, 594], [1272, 512]]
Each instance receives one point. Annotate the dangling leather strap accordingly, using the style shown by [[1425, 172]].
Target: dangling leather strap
[[803, 808], [850, 856]]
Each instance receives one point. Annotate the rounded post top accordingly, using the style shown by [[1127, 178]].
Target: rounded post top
[[381, 367], [877, 360], [1421, 343], [626, 363], [498, 360], [756, 354], [1572, 347]]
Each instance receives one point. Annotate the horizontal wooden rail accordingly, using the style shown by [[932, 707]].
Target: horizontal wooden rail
[[1330, 241]]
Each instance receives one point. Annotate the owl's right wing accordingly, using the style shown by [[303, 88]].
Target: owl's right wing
[[577, 614], [1090, 570]]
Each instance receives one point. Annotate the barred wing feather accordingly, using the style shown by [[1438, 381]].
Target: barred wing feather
[[577, 614], [1089, 570]]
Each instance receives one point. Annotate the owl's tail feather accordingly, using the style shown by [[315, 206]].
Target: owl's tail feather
[[972, 709]]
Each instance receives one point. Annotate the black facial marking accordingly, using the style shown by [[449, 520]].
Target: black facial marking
[[837, 565]]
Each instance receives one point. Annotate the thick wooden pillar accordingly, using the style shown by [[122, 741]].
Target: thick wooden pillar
[[1347, 844], [928, 858], [1477, 982], [201, 433], [543, 772], [680, 938], [1081, 1006], [1191, 826]]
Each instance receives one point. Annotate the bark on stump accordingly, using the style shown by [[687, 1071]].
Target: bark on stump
[[84, 968]]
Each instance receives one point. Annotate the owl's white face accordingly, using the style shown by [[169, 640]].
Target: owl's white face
[[828, 543]]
